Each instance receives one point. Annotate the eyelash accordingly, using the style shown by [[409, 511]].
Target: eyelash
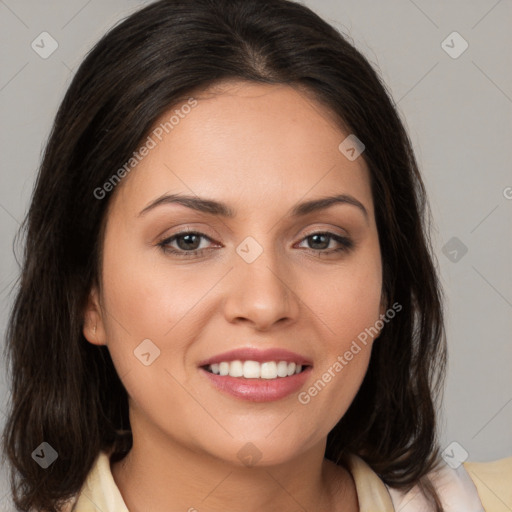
[[346, 244]]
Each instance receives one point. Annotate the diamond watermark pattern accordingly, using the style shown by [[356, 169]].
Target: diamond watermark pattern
[[147, 352], [44, 45], [249, 454], [351, 147], [249, 249], [454, 45], [454, 249], [45, 455], [454, 455]]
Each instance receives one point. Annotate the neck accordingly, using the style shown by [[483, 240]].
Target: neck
[[160, 474]]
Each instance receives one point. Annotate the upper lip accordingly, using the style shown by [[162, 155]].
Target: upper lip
[[261, 356]]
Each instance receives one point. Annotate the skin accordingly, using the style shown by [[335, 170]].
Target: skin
[[261, 149]]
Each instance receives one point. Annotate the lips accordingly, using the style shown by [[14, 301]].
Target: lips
[[258, 390], [257, 375]]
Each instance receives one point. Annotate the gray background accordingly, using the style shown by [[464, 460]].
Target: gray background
[[457, 112]]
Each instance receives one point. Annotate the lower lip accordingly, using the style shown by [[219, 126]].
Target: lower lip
[[258, 390]]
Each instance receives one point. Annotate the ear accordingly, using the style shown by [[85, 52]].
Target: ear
[[94, 328]]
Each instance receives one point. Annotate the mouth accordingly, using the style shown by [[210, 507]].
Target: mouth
[[257, 376], [249, 369]]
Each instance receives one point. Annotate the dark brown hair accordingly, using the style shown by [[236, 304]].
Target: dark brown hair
[[65, 391]]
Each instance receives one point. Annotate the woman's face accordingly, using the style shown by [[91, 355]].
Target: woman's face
[[262, 288]]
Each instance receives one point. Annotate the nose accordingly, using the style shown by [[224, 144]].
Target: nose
[[261, 293]]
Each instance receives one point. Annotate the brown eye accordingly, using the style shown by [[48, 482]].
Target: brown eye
[[187, 243], [320, 241]]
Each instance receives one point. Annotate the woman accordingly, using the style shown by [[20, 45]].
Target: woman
[[240, 307]]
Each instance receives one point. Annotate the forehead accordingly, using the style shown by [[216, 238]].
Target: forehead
[[249, 143]]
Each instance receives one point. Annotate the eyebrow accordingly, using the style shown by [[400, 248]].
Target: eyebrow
[[217, 208]]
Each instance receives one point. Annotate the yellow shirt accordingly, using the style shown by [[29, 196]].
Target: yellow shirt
[[473, 487]]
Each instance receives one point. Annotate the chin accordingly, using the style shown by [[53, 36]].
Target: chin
[[261, 451]]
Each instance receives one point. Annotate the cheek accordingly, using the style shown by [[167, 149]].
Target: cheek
[[335, 386], [347, 301], [345, 354], [349, 308], [147, 300]]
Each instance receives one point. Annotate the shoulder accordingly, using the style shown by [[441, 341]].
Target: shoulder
[[493, 481], [470, 487], [99, 491]]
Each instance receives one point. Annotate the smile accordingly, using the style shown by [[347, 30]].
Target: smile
[[254, 369]]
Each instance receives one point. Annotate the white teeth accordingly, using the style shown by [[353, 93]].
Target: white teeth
[[236, 369], [282, 369], [269, 370], [223, 369], [251, 370], [255, 370]]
